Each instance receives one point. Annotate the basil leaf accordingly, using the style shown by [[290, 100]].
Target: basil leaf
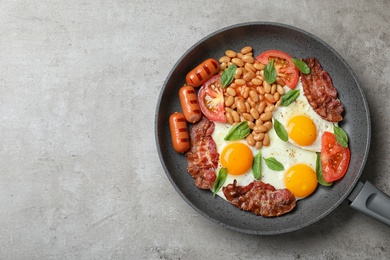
[[238, 131], [220, 181], [270, 72], [256, 166], [280, 130], [274, 164], [228, 75], [290, 97], [320, 178], [301, 65], [341, 136]]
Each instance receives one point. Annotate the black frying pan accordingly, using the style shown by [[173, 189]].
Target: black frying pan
[[298, 43]]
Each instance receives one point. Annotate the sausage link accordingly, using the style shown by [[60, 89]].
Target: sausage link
[[179, 132], [203, 72], [189, 104]]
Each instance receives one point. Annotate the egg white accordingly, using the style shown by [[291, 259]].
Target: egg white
[[220, 131], [286, 153], [302, 107]]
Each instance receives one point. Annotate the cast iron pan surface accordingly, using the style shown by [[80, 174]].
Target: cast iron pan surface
[[263, 36]]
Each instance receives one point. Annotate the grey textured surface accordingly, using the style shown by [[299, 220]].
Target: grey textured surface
[[80, 177]]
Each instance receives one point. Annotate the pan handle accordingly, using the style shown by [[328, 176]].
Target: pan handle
[[370, 200]]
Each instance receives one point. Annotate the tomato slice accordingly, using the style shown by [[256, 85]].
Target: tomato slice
[[286, 69], [334, 158], [211, 101]]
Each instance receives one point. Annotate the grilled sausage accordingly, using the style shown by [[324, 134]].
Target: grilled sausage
[[179, 132], [189, 104], [201, 73]]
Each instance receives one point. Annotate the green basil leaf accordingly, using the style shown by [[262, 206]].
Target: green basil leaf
[[301, 65], [228, 75], [238, 131], [280, 130], [270, 72], [220, 181], [256, 166], [341, 136], [290, 97], [274, 164], [320, 178]]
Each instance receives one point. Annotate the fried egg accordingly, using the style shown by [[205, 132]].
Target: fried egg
[[304, 126], [237, 156]]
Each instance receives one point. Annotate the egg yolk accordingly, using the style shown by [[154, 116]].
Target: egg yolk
[[237, 158], [302, 130], [301, 180]]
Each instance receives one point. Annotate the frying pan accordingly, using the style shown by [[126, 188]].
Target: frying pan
[[301, 44]]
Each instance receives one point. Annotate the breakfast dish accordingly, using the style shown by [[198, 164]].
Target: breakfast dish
[[260, 131]]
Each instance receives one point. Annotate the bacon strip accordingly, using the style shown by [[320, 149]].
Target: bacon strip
[[320, 92], [202, 156], [260, 198]]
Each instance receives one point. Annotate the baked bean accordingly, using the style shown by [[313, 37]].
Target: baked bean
[[251, 103], [279, 89], [249, 67], [248, 106], [251, 124], [259, 136], [231, 53], [261, 107], [269, 108], [258, 65], [245, 92], [261, 90], [249, 75], [279, 81], [240, 82], [256, 81], [240, 106], [250, 140], [259, 144], [238, 62], [248, 58], [229, 101], [236, 116], [246, 49], [276, 96], [266, 116], [254, 96], [273, 89], [247, 117], [254, 113], [238, 73], [268, 124], [231, 91], [260, 129], [270, 98], [229, 118], [249, 97], [266, 140], [224, 59], [222, 66], [267, 87], [259, 122]]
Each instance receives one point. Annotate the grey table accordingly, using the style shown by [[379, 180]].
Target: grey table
[[80, 177]]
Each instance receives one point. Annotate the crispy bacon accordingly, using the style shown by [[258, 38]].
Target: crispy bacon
[[320, 93], [202, 156], [260, 198]]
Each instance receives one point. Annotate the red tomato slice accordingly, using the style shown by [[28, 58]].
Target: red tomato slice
[[211, 101], [286, 69], [334, 158]]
